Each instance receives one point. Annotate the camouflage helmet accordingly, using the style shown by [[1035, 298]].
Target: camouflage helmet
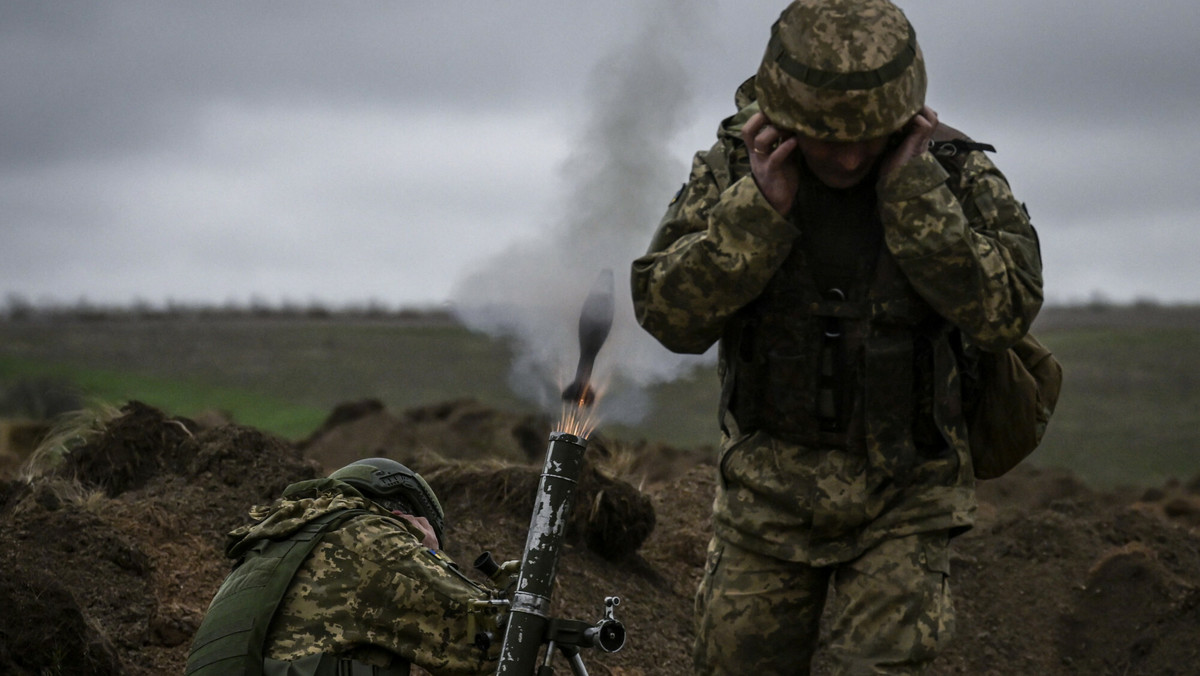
[[386, 480], [842, 70]]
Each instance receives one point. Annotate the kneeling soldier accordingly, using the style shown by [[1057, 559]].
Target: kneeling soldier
[[344, 575]]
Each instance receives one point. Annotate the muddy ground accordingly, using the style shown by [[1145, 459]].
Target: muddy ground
[[110, 559]]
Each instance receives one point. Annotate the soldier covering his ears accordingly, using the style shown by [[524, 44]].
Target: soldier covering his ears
[[850, 253]]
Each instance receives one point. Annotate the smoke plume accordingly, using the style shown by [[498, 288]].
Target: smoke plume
[[620, 177]]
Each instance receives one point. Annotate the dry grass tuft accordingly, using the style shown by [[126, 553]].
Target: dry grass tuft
[[70, 431]]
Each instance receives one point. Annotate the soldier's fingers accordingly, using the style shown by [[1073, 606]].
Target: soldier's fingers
[[751, 129], [925, 121], [765, 141], [783, 151], [925, 130], [771, 138], [931, 115]]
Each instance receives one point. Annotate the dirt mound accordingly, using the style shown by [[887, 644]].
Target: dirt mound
[[112, 556], [49, 613], [130, 524], [461, 429], [134, 449], [1059, 579], [1131, 591], [609, 516]]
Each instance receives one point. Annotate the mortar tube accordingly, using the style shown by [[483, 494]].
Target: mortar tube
[[529, 614]]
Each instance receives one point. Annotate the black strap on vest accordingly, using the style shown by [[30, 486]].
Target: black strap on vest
[[957, 146], [230, 641]]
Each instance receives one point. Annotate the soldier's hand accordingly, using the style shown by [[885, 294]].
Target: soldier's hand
[[917, 134], [771, 161]]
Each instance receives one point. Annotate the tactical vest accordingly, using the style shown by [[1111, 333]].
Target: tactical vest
[[871, 368], [231, 639]]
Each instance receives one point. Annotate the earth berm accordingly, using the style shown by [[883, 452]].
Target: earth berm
[[111, 557]]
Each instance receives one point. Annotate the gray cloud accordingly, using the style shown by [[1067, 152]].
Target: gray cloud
[[388, 150], [91, 78]]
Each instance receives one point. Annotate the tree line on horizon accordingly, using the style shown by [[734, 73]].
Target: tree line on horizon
[[17, 308]]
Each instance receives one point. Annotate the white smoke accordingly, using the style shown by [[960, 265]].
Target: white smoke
[[621, 176]]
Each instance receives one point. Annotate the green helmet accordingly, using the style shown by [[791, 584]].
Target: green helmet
[[386, 480], [842, 70]]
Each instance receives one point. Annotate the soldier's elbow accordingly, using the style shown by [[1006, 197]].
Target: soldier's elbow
[[670, 337]]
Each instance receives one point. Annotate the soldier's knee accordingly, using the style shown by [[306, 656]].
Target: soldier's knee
[[756, 614]]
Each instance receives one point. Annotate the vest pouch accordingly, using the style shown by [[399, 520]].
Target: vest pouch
[[777, 381], [789, 390], [230, 640], [888, 403]]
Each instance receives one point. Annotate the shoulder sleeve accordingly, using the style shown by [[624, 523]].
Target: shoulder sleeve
[[715, 249], [967, 246], [378, 586]]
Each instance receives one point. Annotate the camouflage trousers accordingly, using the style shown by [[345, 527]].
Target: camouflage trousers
[[889, 610]]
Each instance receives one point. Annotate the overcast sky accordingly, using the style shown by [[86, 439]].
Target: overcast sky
[[345, 151], [499, 154]]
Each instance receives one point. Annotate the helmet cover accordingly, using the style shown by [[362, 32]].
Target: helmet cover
[[842, 70]]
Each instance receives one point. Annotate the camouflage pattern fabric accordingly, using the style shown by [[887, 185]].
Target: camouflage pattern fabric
[[370, 590], [821, 507], [842, 70], [966, 247], [890, 610], [976, 261]]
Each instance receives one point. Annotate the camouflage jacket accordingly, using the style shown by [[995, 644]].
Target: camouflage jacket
[[973, 261], [370, 590]]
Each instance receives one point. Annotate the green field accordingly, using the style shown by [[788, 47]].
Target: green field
[[1128, 413], [283, 375]]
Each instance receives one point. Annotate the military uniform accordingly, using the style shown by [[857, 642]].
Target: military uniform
[[843, 328], [369, 591]]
